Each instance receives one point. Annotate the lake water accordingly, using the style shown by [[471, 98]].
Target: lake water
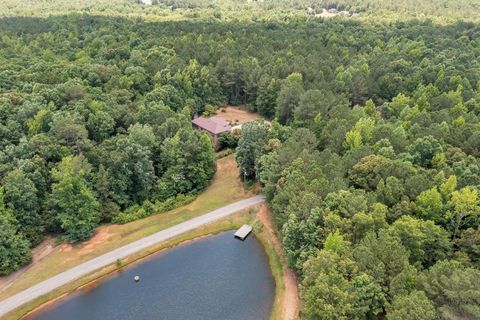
[[218, 277]]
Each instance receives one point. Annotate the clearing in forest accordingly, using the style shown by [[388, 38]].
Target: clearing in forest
[[237, 115]]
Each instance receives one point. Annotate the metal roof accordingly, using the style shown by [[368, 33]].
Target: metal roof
[[215, 125]]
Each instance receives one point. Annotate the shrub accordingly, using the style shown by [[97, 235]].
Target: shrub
[[136, 212], [224, 153]]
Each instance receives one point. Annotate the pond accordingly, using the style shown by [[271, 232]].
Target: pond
[[217, 277]]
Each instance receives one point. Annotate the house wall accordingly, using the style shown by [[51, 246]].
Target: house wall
[[212, 136]]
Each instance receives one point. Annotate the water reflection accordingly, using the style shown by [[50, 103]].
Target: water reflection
[[218, 277]]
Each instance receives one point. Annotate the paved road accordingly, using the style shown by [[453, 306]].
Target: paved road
[[111, 257]]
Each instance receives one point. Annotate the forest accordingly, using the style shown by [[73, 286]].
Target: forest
[[371, 165], [371, 11]]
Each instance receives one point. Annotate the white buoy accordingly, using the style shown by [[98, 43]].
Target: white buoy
[[136, 278]]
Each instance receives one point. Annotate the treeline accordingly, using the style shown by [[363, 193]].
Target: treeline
[[406, 9], [372, 11]]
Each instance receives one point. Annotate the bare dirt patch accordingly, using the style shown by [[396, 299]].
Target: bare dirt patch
[[236, 115], [290, 299], [102, 235]]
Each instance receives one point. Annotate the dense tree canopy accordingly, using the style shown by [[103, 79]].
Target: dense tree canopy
[[371, 162], [14, 247], [372, 170]]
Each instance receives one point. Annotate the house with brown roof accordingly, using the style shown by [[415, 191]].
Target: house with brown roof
[[214, 126]]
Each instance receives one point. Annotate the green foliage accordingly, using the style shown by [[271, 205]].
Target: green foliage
[[370, 299], [405, 282], [315, 103], [390, 191], [21, 198], [301, 239], [465, 209], [250, 146], [335, 242], [224, 153], [360, 134], [219, 10], [469, 246], [296, 180], [228, 140], [447, 187], [291, 90], [382, 257], [130, 214], [209, 110], [368, 172], [14, 248], [371, 163], [398, 105], [429, 205], [325, 288], [190, 161], [136, 211], [453, 289], [267, 98], [353, 140], [130, 169], [100, 125], [415, 305], [333, 288], [72, 201], [424, 149], [363, 223], [425, 241]]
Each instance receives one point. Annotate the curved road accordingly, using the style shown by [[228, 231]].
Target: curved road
[[111, 257]]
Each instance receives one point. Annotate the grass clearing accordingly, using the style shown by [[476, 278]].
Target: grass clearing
[[225, 188]]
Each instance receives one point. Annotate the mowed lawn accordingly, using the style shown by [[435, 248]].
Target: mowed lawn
[[226, 187]]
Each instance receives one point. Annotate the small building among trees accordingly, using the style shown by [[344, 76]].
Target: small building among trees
[[214, 126]]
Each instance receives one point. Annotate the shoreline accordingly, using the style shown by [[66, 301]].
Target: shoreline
[[250, 215]]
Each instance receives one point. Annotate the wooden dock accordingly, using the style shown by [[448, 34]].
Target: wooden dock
[[243, 232]]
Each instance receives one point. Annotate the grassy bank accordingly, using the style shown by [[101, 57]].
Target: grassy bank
[[232, 222], [275, 266], [225, 188]]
